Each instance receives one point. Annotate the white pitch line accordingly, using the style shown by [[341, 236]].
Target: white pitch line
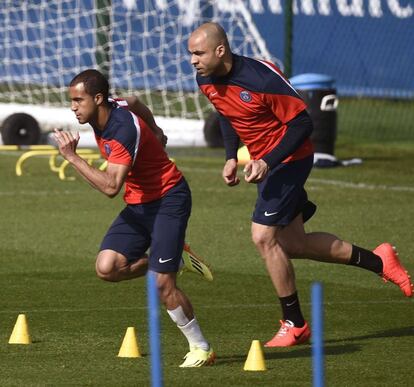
[[338, 183], [312, 181], [40, 193], [202, 170], [346, 184], [228, 306]]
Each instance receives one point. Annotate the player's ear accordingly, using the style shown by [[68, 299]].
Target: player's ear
[[220, 51], [99, 99]]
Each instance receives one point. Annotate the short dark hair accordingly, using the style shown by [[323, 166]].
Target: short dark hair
[[94, 82]]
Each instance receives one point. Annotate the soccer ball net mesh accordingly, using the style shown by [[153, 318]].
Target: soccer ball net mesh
[[140, 45]]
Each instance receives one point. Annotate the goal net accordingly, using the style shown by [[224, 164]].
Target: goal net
[[141, 45]]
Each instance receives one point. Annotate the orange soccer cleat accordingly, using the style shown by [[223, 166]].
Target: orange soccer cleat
[[392, 269], [288, 335]]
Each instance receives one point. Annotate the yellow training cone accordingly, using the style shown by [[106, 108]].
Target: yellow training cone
[[129, 347], [20, 334], [255, 359], [243, 155]]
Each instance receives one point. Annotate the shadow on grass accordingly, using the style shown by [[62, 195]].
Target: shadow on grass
[[395, 332], [303, 352], [330, 350]]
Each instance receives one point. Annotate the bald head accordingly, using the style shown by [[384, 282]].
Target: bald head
[[210, 50], [213, 33]]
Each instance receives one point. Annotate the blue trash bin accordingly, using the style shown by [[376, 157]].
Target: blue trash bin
[[319, 93]]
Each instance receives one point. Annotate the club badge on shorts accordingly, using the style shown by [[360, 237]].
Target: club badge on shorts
[[245, 96]]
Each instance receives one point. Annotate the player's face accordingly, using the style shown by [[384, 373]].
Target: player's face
[[82, 104], [205, 56]]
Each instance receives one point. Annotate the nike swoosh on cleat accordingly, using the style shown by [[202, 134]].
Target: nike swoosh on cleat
[[298, 337]]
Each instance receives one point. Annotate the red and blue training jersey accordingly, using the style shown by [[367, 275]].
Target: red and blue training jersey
[[126, 139], [258, 102]]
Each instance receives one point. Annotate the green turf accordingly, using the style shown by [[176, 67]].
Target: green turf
[[375, 120], [50, 231]]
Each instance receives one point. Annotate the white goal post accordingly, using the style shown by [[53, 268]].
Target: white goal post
[[141, 45]]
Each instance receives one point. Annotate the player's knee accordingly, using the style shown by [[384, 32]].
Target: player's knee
[[263, 241], [165, 286], [105, 268], [258, 239]]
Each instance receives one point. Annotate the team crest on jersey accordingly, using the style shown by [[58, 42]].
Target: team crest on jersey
[[245, 96], [107, 149]]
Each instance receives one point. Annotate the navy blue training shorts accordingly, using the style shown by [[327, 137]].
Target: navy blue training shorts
[[281, 196], [159, 225]]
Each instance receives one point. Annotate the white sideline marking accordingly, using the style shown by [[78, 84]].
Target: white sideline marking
[[40, 193], [346, 184], [229, 306], [338, 183], [313, 181]]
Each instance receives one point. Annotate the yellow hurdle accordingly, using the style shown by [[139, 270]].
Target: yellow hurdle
[[25, 147], [60, 169], [53, 153], [31, 153], [88, 157]]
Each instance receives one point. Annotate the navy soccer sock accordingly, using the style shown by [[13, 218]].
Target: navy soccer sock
[[366, 259], [291, 309]]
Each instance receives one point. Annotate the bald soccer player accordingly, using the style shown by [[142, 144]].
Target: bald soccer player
[[258, 106]]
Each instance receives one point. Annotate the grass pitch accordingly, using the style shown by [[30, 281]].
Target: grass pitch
[[50, 231]]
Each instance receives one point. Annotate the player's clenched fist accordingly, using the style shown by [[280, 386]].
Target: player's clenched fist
[[66, 142], [230, 173], [255, 171]]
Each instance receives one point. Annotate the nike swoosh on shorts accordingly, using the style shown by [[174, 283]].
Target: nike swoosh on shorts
[[160, 260]]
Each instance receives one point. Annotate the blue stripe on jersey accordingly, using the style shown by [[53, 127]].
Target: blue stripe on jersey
[[253, 75], [124, 128]]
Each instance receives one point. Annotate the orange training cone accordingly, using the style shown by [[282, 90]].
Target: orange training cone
[[255, 359], [129, 347], [20, 334]]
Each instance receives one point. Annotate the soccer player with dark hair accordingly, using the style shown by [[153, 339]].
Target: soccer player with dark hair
[[158, 202], [258, 106]]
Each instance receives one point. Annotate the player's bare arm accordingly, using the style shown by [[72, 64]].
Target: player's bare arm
[[109, 182], [141, 110], [255, 171], [230, 173]]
